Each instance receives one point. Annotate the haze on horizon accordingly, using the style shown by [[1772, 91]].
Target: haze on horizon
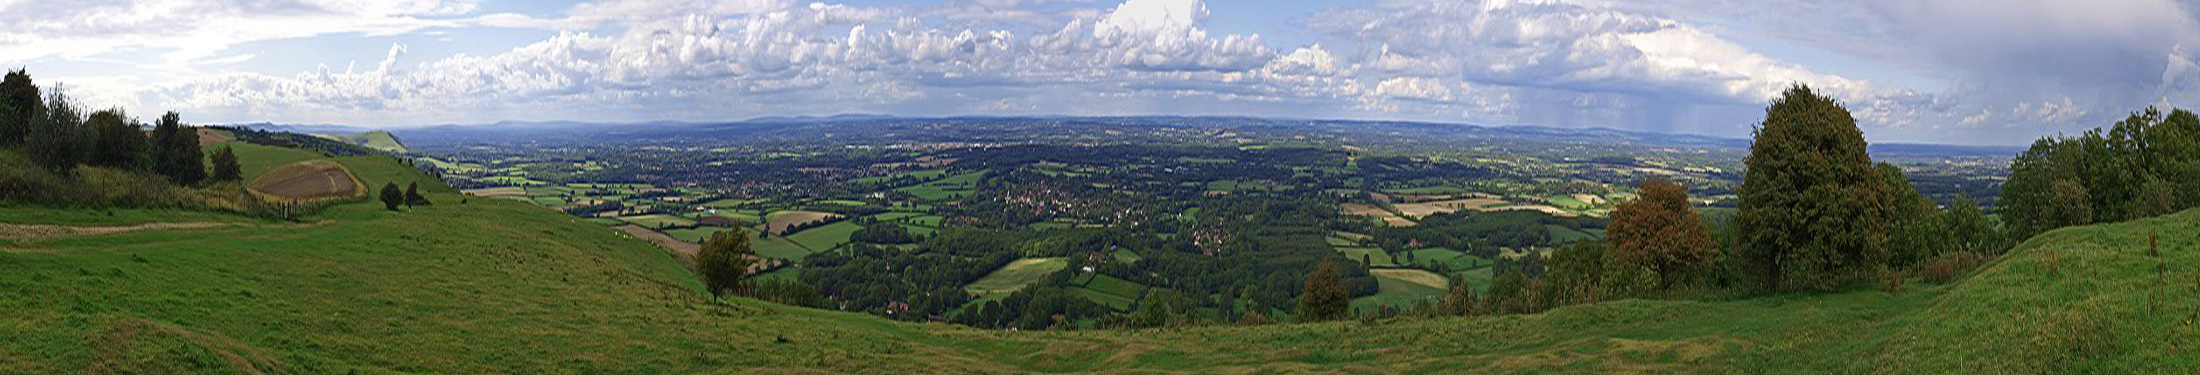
[[1946, 71]]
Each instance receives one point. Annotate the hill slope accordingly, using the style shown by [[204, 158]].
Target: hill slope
[[503, 286]]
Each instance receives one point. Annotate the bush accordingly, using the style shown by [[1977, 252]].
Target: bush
[[1946, 267]]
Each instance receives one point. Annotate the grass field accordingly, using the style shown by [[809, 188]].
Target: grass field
[[1451, 258], [1368, 256], [1400, 289], [825, 237], [657, 221], [1114, 292], [499, 286], [1016, 275]]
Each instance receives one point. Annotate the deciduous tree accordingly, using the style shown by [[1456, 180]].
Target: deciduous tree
[[117, 140], [20, 103], [1813, 210], [1658, 230], [56, 139], [1325, 297], [724, 261], [225, 165]]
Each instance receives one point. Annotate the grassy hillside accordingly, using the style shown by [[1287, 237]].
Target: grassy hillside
[[500, 286], [379, 140]]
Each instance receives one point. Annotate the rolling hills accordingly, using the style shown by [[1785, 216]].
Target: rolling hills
[[501, 286]]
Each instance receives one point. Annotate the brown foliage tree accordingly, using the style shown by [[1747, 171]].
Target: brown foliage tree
[[1659, 231], [1325, 297]]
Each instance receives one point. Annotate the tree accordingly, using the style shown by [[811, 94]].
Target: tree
[[1814, 211], [176, 151], [56, 139], [1968, 228], [413, 197], [1658, 230], [117, 141], [724, 261], [20, 103], [390, 197], [1915, 231], [1459, 301], [1325, 297], [225, 165]]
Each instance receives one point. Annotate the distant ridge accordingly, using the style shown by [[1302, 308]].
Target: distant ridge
[[1589, 133]]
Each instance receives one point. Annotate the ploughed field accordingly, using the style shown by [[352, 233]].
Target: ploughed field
[[311, 179]]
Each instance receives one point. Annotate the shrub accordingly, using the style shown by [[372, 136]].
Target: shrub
[[1946, 267]]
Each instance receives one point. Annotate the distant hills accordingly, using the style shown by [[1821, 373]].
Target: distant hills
[[1594, 134]]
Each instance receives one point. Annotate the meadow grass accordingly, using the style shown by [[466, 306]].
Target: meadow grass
[[1015, 275], [502, 286]]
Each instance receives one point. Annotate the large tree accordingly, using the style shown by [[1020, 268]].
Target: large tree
[[1813, 210], [1325, 297], [1916, 230], [176, 151], [1658, 230], [225, 165], [724, 261], [117, 140], [20, 103], [56, 139]]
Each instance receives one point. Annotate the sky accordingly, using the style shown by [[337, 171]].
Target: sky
[[1981, 72]]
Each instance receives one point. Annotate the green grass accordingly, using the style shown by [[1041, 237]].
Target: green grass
[[657, 221], [1450, 258], [1368, 256], [825, 237], [255, 160], [1561, 234], [778, 247], [1115, 286], [501, 286], [1395, 293], [1016, 275], [1125, 256]]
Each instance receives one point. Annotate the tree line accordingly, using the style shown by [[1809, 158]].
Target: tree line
[[57, 135]]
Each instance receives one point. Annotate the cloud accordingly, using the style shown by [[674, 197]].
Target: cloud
[[1667, 65], [197, 29]]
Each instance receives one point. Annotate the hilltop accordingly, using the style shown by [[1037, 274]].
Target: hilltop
[[494, 285]]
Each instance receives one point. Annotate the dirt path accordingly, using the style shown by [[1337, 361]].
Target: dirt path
[[36, 230]]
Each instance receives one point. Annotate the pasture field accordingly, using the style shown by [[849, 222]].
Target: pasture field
[[498, 286], [1113, 286], [778, 247], [657, 221], [1125, 256], [1016, 275], [1561, 234], [508, 191], [1453, 259], [1401, 288], [825, 237], [1374, 257], [256, 160]]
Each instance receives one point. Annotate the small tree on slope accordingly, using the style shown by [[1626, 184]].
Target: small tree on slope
[[724, 261]]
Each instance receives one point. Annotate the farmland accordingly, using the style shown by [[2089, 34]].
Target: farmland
[[307, 180], [1016, 275], [1120, 208]]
